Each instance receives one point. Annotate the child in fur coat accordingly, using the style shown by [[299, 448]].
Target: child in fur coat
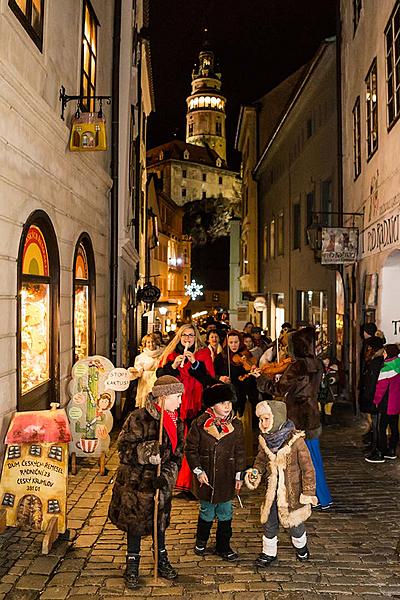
[[283, 454], [132, 503]]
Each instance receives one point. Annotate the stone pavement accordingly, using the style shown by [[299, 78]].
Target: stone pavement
[[352, 546]]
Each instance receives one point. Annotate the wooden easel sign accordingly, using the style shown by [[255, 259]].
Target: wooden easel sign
[[33, 486]]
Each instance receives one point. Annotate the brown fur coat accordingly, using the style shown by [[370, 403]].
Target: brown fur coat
[[291, 479], [132, 502]]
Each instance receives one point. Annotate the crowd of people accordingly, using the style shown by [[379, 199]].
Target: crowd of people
[[187, 435]]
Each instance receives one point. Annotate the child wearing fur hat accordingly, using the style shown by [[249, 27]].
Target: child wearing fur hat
[[215, 452], [132, 503], [284, 456]]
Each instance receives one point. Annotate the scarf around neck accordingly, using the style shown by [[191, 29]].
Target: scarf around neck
[[218, 422], [276, 440], [170, 426]]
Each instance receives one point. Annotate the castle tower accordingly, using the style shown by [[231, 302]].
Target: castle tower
[[205, 117]]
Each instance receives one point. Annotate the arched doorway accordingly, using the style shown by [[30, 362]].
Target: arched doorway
[[84, 297], [38, 315], [389, 306], [30, 512]]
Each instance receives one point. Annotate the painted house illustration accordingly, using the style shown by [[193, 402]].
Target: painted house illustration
[[33, 485]]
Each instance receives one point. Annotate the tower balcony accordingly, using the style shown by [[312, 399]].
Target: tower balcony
[[201, 102]]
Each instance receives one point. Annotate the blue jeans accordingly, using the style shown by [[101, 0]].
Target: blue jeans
[[222, 511]]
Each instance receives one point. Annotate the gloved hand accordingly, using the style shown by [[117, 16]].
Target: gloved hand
[[155, 459], [160, 483]]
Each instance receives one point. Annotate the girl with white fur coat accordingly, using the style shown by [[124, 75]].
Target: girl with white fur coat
[[145, 367], [284, 456]]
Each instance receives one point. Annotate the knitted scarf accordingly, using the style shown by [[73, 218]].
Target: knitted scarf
[[170, 426], [390, 369], [220, 424], [276, 440]]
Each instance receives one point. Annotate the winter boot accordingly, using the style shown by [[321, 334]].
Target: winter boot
[[269, 552], [202, 535], [131, 574], [165, 569], [224, 534], [300, 544]]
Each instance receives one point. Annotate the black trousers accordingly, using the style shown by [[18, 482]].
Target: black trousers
[[393, 422], [134, 541]]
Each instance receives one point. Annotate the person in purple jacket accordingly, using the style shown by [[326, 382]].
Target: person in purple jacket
[[387, 400]]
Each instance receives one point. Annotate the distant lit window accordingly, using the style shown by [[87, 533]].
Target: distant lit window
[[89, 56], [184, 173], [190, 128], [357, 6], [371, 104], [392, 33], [30, 14], [218, 128], [204, 177], [357, 138]]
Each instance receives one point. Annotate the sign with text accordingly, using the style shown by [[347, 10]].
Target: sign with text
[[339, 245], [383, 234]]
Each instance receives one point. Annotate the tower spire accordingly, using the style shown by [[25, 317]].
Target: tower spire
[[205, 117]]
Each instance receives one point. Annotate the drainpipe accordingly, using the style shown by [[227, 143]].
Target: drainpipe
[[114, 190]]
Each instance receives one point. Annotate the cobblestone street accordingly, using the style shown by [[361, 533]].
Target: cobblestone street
[[352, 546]]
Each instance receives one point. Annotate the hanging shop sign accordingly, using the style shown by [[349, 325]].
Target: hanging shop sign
[[33, 486], [339, 245], [88, 132], [150, 293]]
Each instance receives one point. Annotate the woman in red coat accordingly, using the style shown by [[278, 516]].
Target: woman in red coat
[[184, 359]]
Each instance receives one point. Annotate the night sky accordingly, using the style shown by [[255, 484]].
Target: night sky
[[257, 43]]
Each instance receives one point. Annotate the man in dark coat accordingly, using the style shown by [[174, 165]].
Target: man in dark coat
[[373, 362], [132, 503], [216, 454]]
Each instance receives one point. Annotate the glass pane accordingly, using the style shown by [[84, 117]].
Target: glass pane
[[35, 340], [81, 264], [81, 321], [35, 259], [86, 56], [22, 5], [36, 15], [93, 71]]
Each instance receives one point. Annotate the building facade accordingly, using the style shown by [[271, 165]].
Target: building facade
[[297, 183], [55, 203], [371, 143]]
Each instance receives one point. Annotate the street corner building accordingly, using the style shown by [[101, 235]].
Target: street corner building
[[67, 216]]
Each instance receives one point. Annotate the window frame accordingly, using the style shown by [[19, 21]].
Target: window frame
[[85, 241], [390, 52], [89, 104], [25, 18], [296, 226], [371, 118], [356, 138], [357, 7]]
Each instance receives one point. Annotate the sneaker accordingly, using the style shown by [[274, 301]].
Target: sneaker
[[303, 554], [230, 555], [326, 506], [200, 548], [375, 457], [264, 560], [390, 454]]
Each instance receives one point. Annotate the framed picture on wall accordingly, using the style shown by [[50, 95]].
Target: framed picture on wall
[[370, 290]]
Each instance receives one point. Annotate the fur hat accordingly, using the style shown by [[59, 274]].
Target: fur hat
[[277, 409], [220, 392], [166, 385]]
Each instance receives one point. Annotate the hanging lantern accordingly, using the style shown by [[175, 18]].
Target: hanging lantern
[[88, 132]]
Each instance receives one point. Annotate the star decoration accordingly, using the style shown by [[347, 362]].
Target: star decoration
[[193, 290]]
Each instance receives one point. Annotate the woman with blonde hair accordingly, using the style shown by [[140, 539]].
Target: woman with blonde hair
[[182, 359], [145, 367]]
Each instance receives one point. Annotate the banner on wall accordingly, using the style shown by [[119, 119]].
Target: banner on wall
[[339, 245]]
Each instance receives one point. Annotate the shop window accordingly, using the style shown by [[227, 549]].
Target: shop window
[[30, 14], [56, 453], [35, 450], [312, 308], [356, 139], [53, 506], [38, 299], [89, 57], [371, 104], [14, 452], [84, 299], [8, 500]]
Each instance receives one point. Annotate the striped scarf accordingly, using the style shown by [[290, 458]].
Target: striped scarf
[[220, 424], [390, 369]]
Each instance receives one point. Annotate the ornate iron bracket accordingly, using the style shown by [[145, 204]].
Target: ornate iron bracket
[[65, 98]]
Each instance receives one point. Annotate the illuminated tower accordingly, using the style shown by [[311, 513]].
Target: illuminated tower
[[205, 117]]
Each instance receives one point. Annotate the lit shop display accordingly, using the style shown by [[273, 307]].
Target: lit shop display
[[35, 312], [81, 305]]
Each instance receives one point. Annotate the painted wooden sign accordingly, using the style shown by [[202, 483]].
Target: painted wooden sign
[[33, 487]]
